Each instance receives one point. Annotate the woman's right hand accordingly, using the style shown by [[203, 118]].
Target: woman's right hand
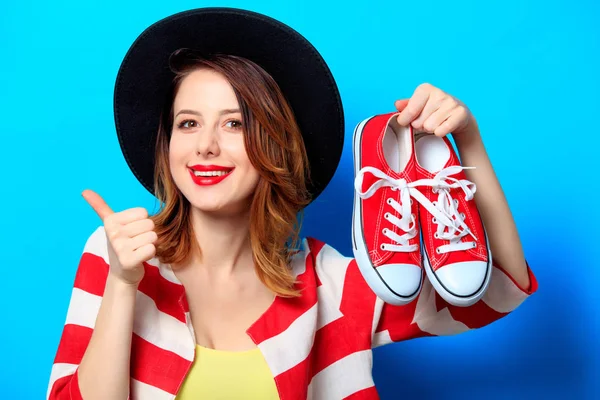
[[130, 238]]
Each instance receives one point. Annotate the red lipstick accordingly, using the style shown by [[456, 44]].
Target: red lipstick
[[209, 180]]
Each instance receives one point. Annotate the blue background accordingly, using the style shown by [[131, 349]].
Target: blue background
[[527, 69]]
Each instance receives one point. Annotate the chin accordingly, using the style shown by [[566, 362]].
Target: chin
[[207, 204], [220, 199], [222, 207]]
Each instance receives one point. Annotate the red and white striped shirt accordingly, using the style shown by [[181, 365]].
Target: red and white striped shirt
[[308, 342]]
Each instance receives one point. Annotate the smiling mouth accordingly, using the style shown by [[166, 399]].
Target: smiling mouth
[[210, 173]]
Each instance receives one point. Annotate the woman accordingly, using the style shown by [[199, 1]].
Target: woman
[[211, 297]]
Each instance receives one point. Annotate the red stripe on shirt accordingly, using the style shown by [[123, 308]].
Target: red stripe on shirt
[[72, 345], [287, 382], [280, 315], [155, 366], [66, 388], [163, 292], [167, 373], [358, 300], [475, 316], [92, 274], [397, 320], [348, 337]]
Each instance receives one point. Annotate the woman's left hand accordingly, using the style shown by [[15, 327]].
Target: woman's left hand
[[434, 111]]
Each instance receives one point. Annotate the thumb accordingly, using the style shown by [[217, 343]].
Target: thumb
[[401, 104], [97, 203]]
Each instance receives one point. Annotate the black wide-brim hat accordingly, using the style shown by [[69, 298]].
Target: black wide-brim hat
[[144, 81]]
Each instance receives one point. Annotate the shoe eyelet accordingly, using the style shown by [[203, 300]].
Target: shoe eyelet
[[434, 203], [474, 245], [386, 215], [389, 201], [413, 216], [434, 220], [394, 188], [434, 191], [384, 231], [462, 215], [382, 247], [436, 236], [456, 202], [437, 250], [411, 202]]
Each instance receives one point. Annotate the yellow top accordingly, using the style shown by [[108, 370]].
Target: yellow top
[[217, 374]]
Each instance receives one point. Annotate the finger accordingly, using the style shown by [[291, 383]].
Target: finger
[[430, 108], [130, 215], [436, 118], [145, 253], [449, 125], [401, 104], [97, 203], [141, 240], [414, 107], [137, 227]]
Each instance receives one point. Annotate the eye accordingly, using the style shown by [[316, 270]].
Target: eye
[[187, 124], [237, 124]]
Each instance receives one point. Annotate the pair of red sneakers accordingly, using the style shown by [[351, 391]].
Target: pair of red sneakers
[[413, 210]]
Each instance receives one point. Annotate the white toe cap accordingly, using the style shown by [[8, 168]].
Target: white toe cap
[[403, 279], [463, 278]]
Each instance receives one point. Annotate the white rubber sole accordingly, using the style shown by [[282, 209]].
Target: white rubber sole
[[361, 253]]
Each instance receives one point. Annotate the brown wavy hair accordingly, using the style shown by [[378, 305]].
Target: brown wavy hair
[[275, 148]]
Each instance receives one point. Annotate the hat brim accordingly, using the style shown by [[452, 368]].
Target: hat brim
[[144, 79]]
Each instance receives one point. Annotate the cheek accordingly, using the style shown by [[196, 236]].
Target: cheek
[[240, 156], [244, 160], [234, 147], [172, 157], [176, 150]]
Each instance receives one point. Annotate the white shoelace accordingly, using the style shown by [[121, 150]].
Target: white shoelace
[[450, 223]]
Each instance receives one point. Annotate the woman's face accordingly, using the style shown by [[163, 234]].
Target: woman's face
[[207, 155]]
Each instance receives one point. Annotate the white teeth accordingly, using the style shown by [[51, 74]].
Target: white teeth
[[210, 173]]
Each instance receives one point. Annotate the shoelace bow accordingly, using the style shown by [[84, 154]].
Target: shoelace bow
[[450, 223]]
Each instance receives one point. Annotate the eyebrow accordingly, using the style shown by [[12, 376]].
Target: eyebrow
[[222, 112]]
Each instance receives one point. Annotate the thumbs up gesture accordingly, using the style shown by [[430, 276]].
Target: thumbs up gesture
[[130, 237]]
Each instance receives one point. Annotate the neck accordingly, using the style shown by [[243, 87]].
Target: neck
[[224, 242]]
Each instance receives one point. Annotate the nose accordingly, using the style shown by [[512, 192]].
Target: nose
[[207, 143]]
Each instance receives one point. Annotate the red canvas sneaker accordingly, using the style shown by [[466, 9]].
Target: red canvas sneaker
[[456, 253], [385, 224]]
